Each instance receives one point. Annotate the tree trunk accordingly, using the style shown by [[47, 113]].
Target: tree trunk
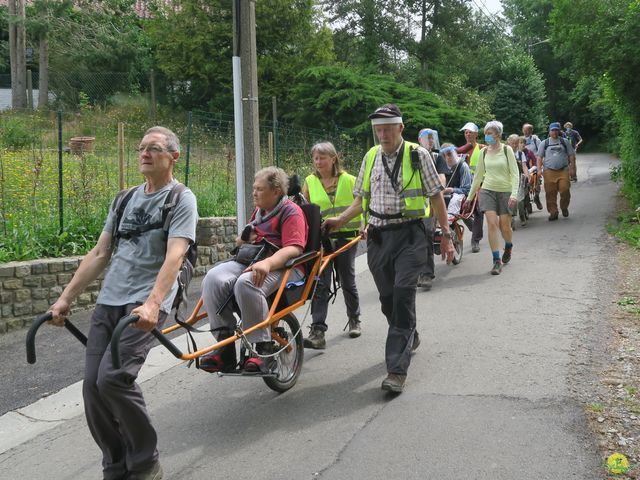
[[43, 84], [17, 47]]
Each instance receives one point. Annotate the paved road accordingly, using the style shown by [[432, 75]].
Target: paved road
[[491, 393]]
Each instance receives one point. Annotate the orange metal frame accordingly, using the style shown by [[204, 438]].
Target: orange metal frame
[[321, 262]]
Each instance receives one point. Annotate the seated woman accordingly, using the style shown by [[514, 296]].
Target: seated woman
[[457, 179], [279, 221]]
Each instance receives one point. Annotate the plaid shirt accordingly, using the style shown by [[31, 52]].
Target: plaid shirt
[[384, 198]]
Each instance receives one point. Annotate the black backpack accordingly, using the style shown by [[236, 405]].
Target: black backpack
[[185, 274]]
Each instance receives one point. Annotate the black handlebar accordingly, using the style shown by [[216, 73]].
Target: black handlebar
[[123, 323], [117, 333], [37, 323]]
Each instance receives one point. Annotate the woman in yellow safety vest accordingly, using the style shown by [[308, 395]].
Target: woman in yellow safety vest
[[331, 188]]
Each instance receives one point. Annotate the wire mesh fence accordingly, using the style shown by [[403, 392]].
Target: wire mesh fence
[[59, 171]]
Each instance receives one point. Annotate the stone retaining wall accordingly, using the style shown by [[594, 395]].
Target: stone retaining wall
[[28, 289]]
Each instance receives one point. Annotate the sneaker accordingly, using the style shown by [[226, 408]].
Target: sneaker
[[565, 212], [261, 364], [416, 341], [536, 200], [506, 256], [154, 473], [475, 246], [315, 339], [354, 328], [497, 267], [220, 360], [425, 282], [394, 383], [553, 216]]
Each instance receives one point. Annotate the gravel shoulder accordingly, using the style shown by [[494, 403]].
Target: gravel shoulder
[[606, 365]]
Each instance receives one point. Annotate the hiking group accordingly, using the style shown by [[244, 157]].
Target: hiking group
[[402, 191]]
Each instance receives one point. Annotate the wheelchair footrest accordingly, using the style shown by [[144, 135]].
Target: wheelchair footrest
[[242, 373]]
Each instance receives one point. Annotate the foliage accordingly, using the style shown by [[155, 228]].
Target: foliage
[[29, 208], [519, 93], [16, 133], [4, 40], [328, 95], [601, 39], [193, 48]]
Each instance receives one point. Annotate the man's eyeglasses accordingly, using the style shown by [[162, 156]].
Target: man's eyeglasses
[[151, 149]]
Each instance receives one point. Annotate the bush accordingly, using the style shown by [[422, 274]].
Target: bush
[[17, 132]]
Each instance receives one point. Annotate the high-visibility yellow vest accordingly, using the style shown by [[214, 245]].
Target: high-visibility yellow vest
[[473, 160], [415, 203], [342, 200]]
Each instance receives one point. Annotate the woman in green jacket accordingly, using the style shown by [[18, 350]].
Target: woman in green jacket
[[497, 172]]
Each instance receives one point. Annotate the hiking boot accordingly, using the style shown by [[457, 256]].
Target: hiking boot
[[394, 383], [425, 282], [153, 473], [354, 328], [565, 212], [497, 267], [315, 339], [416, 341], [506, 256], [536, 200], [553, 216], [475, 247]]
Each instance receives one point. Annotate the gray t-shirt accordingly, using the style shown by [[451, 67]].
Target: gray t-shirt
[[555, 157], [136, 261]]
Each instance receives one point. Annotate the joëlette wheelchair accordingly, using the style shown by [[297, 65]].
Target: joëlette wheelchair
[[285, 328], [457, 223]]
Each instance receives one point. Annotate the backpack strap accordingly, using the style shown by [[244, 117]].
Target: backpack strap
[[172, 200], [118, 206]]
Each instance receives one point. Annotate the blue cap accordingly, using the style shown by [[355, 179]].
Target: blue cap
[[555, 126]]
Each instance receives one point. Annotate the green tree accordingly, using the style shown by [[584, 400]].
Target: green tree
[[372, 34], [328, 97], [192, 43], [519, 93], [601, 40], [530, 21]]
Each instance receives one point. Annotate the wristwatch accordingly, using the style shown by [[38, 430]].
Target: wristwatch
[[447, 234]]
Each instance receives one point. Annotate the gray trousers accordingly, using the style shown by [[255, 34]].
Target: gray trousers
[[395, 264], [430, 225], [113, 403], [226, 278], [345, 265]]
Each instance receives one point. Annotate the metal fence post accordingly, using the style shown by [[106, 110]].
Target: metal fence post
[[60, 185], [274, 109], [186, 169]]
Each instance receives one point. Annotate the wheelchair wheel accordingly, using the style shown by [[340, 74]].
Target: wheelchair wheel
[[457, 246], [288, 363]]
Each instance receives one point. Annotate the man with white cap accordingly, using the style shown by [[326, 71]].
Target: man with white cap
[[558, 157], [472, 151], [396, 180]]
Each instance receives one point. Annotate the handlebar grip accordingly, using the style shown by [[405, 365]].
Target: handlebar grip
[[117, 333], [123, 323], [31, 336], [37, 323]]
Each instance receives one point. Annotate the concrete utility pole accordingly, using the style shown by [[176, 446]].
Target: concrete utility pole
[[17, 54], [244, 46]]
